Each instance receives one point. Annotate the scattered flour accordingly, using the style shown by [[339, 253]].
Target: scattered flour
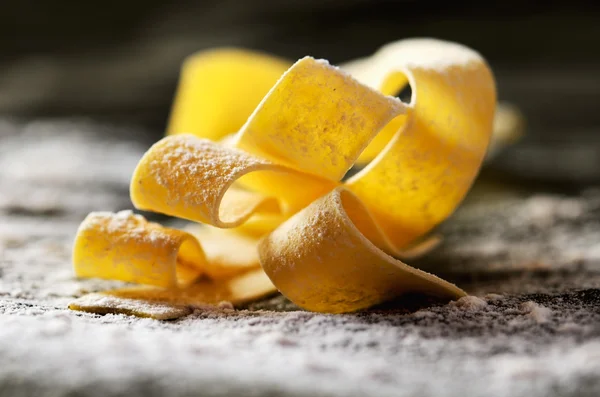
[[493, 297], [470, 303], [537, 312], [452, 350]]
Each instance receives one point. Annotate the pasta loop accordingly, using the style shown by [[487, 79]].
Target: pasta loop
[[275, 189], [126, 247]]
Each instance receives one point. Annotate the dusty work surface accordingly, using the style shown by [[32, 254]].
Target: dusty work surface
[[532, 328]]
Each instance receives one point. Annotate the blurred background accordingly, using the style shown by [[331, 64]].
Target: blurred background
[[118, 61]]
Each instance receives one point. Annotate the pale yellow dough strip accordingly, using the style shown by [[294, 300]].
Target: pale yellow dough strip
[[219, 89], [292, 131], [426, 169], [172, 303], [288, 159], [321, 261], [124, 246]]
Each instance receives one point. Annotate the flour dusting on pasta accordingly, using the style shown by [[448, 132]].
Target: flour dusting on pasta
[[274, 191]]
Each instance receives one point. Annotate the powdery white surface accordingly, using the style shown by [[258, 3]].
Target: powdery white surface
[[224, 352], [524, 334], [538, 313], [470, 303], [66, 167], [512, 230]]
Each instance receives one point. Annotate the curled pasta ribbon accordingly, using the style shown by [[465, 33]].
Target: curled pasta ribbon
[[323, 260], [125, 246], [323, 242]]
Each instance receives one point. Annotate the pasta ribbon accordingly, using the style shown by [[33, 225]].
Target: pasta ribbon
[[323, 259], [266, 172], [126, 247]]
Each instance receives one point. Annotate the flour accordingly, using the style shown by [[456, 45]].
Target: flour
[[273, 348], [515, 232], [192, 172], [470, 303], [538, 313]]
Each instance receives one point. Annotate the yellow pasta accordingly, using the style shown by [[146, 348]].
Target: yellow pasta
[[220, 88], [171, 303], [323, 259], [126, 247], [273, 193]]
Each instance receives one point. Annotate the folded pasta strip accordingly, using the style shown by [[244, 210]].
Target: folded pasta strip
[[272, 197]]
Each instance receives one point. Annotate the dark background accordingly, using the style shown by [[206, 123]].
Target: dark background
[[118, 61]]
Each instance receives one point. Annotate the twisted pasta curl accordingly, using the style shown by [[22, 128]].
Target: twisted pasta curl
[[274, 194]]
